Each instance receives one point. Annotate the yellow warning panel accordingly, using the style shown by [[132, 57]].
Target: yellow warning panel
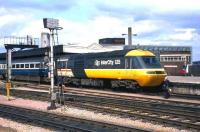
[[8, 86]]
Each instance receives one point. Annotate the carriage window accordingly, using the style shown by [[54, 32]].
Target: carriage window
[[26, 65], [13, 65], [22, 65], [31, 65], [17, 65], [37, 65]]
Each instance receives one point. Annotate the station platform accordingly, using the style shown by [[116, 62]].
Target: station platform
[[185, 85], [184, 79]]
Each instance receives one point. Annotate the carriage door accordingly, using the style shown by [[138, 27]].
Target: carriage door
[[127, 67], [127, 63], [78, 69]]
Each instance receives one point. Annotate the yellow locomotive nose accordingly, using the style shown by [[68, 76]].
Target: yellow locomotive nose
[[152, 78]]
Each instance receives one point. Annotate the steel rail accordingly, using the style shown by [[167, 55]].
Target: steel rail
[[46, 87], [131, 107], [130, 113], [61, 122]]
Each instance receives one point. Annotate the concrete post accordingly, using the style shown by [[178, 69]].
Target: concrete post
[[9, 66], [129, 36], [51, 67]]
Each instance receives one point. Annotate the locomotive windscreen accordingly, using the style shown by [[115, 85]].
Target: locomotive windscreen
[[150, 62]]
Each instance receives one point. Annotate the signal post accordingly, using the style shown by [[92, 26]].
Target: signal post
[[53, 26]]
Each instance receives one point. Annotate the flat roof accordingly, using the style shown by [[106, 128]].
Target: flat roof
[[94, 48], [35, 52], [159, 48]]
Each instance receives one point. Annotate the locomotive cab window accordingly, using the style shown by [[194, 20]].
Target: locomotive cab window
[[132, 63], [150, 62], [135, 63]]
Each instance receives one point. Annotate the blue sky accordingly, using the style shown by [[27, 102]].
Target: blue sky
[[156, 22]]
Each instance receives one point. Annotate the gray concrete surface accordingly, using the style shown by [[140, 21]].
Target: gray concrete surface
[[184, 79]]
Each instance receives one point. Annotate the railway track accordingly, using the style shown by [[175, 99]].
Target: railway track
[[115, 95], [46, 87], [183, 114], [154, 112], [60, 122]]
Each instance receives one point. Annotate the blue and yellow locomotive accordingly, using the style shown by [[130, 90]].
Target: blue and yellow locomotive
[[125, 68]]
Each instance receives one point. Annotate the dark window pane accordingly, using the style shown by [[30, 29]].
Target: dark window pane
[[37, 65], [22, 66], [31, 65], [26, 65]]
